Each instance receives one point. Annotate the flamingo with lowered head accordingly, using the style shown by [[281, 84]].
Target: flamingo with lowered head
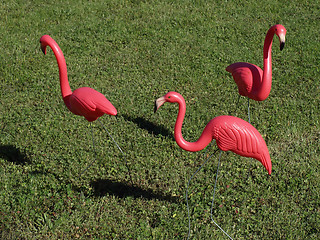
[[231, 134], [83, 101], [251, 80]]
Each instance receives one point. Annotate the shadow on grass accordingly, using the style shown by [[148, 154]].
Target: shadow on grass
[[149, 126], [101, 187], [13, 154]]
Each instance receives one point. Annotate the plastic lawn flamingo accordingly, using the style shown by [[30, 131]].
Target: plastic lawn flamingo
[[83, 101], [231, 134], [251, 80]]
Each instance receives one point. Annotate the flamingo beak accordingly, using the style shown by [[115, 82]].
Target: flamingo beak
[[158, 103], [282, 39], [43, 48]]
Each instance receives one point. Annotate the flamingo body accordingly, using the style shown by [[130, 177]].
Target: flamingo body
[[246, 76], [251, 80], [236, 135], [90, 103], [83, 101], [231, 134]]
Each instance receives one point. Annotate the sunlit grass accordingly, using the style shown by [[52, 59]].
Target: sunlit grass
[[134, 52]]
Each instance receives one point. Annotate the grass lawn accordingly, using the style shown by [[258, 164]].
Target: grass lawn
[[134, 52]]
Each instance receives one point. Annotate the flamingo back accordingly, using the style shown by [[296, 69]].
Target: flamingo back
[[236, 135]]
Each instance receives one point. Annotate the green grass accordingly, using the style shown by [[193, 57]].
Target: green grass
[[134, 52]]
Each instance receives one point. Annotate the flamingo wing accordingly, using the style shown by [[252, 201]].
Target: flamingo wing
[[90, 103], [244, 75], [236, 135]]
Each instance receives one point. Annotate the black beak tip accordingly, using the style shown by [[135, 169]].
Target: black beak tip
[[281, 46], [44, 50]]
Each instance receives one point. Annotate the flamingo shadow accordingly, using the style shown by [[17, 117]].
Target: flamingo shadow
[[101, 187], [13, 154], [149, 126]]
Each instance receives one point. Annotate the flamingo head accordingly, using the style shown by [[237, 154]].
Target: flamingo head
[[280, 31], [171, 97], [44, 43]]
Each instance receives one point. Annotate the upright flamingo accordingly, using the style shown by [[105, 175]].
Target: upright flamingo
[[83, 101], [231, 134], [251, 80]]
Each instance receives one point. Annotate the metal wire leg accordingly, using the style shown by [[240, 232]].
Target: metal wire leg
[[214, 190], [94, 150], [125, 159], [189, 184]]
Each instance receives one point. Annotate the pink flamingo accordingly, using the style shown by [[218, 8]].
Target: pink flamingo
[[250, 79], [231, 134], [83, 101]]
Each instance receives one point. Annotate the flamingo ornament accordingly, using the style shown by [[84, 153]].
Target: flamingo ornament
[[230, 133], [251, 80], [83, 101]]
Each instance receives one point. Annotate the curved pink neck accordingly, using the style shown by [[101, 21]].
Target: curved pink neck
[[264, 89], [63, 75], [201, 143]]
